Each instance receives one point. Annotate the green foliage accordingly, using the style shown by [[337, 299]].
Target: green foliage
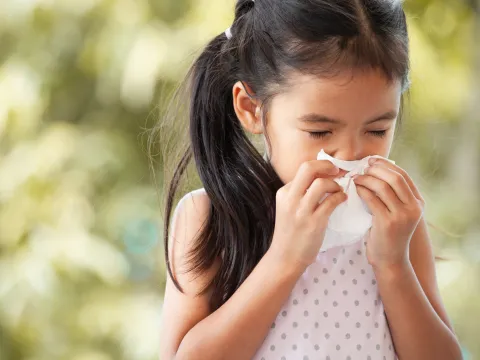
[[81, 273]]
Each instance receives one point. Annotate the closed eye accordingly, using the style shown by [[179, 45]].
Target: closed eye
[[379, 133], [319, 134], [322, 134]]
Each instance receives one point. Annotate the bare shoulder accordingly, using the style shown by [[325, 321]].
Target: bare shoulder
[[189, 218], [182, 311]]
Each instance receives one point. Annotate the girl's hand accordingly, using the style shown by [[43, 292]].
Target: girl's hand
[[397, 208], [302, 216]]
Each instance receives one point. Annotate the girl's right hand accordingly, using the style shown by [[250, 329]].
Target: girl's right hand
[[302, 216]]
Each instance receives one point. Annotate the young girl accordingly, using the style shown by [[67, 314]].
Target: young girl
[[246, 279]]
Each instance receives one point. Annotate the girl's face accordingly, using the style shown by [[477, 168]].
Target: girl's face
[[350, 116]]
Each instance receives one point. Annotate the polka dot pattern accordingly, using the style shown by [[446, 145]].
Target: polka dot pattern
[[334, 312]]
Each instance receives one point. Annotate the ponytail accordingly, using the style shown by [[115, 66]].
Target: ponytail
[[239, 182], [268, 40]]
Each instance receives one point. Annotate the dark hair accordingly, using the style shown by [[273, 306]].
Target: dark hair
[[271, 39]]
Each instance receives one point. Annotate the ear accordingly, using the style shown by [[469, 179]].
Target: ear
[[247, 108]]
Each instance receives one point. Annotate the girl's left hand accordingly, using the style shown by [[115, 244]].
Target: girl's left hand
[[397, 208]]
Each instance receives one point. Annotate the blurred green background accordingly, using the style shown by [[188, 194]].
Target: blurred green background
[[81, 253]]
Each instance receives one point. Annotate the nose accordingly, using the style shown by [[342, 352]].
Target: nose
[[348, 154]]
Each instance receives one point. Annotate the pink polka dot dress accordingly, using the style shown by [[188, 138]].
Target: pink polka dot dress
[[333, 313]]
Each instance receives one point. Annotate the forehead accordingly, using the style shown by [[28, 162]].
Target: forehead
[[347, 96]]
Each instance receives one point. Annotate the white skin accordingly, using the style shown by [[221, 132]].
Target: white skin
[[352, 101], [398, 246], [350, 116]]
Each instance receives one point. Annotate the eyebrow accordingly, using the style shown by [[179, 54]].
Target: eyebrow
[[313, 118]]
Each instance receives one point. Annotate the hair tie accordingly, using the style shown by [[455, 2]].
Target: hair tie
[[228, 32]]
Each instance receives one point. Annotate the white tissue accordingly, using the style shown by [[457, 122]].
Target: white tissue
[[351, 220]]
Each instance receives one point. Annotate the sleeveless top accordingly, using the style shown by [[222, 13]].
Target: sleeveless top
[[334, 312]]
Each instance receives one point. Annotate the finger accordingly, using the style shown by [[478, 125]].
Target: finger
[[376, 206], [316, 192], [382, 189], [308, 172], [401, 171], [396, 181], [326, 207]]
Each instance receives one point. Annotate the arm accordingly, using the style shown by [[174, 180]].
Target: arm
[[402, 258], [417, 319], [238, 328]]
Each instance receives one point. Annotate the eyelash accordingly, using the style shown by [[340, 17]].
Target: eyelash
[[317, 135], [379, 133], [322, 134]]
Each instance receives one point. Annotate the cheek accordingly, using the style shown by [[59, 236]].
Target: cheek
[[381, 148], [288, 151], [385, 145], [286, 168], [374, 145], [283, 161]]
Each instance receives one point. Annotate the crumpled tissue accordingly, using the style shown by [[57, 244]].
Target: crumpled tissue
[[350, 221]]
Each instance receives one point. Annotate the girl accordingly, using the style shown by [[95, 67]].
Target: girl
[[245, 275]]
